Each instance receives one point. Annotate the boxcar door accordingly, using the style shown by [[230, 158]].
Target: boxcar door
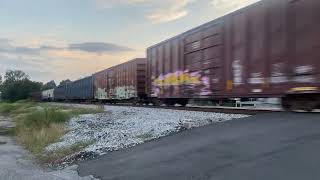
[[257, 54], [239, 53], [305, 43], [203, 61], [278, 46]]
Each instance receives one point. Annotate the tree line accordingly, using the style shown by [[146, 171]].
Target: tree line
[[16, 85]]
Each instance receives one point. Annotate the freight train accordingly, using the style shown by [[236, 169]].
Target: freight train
[[268, 49]]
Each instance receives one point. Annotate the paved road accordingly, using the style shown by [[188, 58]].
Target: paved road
[[277, 146]]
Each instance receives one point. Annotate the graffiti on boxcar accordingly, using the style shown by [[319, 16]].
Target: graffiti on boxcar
[[125, 92], [305, 79], [237, 72], [179, 78], [306, 69], [191, 80], [278, 73], [256, 78], [304, 74], [101, 94]]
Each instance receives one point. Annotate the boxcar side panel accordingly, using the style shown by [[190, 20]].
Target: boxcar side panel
[[60, 93], [100, 85], [305, 44], [81, 89], [121, 82], [203, 55], [278, 47], [267, 49]]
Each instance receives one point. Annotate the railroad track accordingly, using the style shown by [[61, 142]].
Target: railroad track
[[221, 109], [227, 110]]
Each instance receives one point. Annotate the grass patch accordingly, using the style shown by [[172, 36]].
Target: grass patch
[[39, 125], [7, 131], [6, 108], [46, 117], [16, 108], [35, 139]]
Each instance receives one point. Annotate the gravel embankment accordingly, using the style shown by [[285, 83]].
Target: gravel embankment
[[123, 127]]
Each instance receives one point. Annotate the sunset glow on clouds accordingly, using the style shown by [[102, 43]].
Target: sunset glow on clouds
[[56, 40]]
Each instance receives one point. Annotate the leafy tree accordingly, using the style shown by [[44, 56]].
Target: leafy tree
[[0, 82], [18, 86], [49, 85], [13, 76], [64, 82], [0, 86]]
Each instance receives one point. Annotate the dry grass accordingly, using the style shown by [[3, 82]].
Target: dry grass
[[36, 139], [59, 155]]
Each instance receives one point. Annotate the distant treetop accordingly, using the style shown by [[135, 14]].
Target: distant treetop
[[49, 85], [64, 82]]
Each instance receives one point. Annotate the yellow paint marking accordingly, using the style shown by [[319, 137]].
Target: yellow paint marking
[[229, 85], [297, 89]]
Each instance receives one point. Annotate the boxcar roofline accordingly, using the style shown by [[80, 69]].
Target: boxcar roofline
[[193, 30], [132, 60]]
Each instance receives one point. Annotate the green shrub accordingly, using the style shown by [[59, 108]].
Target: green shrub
[[6, 108], [45, 117], [16, 108]]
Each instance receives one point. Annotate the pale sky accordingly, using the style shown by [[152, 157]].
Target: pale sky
[[61, 39]]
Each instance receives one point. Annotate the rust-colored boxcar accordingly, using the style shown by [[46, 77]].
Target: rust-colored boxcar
[[122, 82], [268, 49]]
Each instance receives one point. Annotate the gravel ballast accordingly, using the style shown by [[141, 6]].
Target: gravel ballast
[[122, 127]]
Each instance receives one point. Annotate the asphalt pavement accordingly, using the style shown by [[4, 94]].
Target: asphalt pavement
[[274, 146]]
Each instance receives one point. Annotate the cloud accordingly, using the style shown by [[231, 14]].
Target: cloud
[[90, 47], [84, 63], [8, 48], [171, 10], [4, 40], [5, 44], [58, 62], [28, 50], [98, 47], [157, 11], [231, 3], [62, 64], [223, 7], [113, 3]]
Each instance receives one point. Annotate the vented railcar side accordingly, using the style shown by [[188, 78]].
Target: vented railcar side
[[60, 93], [81, 90]]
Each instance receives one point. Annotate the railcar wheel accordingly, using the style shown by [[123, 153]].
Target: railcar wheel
[[183, 102], [287, 104], [170, 102], [305, 102], [287, 107], [156, 102]]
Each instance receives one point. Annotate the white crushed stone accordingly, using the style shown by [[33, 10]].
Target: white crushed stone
[[123, 127]]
